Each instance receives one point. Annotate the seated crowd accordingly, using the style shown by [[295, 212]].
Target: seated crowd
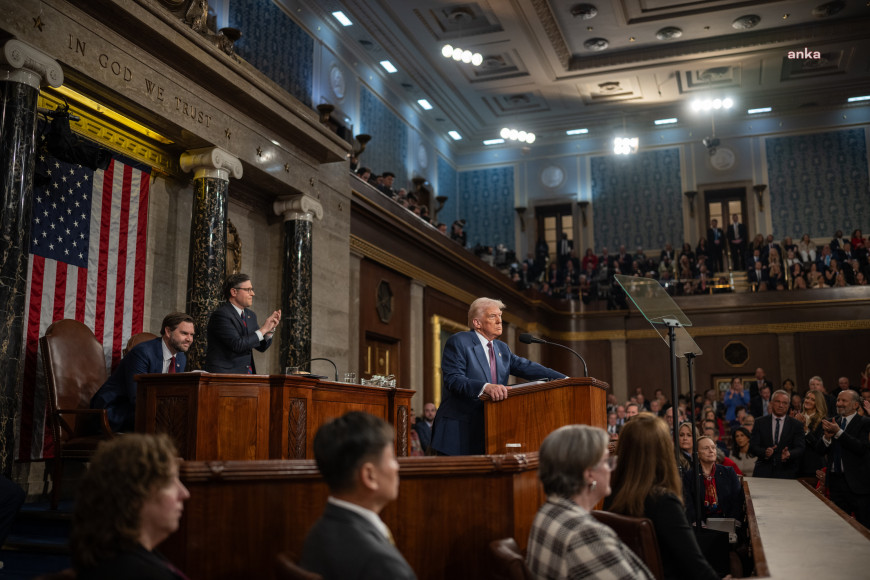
[[769, 265]]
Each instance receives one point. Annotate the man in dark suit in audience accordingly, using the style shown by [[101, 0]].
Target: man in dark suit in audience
[[759, 405], [355, 455], [736, 241], [845, 443], [760, 380], [423, 425], [164, 354], [778, 441], [474, 363], [715, 245], [233, 331]]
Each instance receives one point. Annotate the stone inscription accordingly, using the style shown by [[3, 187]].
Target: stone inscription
[[153, 89]]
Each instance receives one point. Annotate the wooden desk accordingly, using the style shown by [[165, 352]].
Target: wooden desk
[[255, 417], [241, 514]]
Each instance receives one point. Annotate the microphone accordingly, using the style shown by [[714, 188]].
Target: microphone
[[527, 338], [335, 368]]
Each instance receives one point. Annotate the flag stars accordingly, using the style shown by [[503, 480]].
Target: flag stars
[[57, 165], [73, 171], [44, 235], [50, 246], [63, 178]]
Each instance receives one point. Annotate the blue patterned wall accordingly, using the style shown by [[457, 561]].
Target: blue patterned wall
[[388, 149], [447, 182], [486, 199], [274, 45], [637, 200], [818, 183]]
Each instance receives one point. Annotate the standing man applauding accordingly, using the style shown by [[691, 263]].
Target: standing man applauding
[[473, 363], [233, 332]]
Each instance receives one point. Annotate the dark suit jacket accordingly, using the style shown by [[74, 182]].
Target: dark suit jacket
[[712, 248], [741, 234], [728, 490], [118, 394], [343, 545], [458, 427], [425, 432], [791, 436], [230, 343], [756, 407], [855, 452]]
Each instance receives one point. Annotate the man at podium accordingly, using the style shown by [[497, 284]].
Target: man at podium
[[473, 363]]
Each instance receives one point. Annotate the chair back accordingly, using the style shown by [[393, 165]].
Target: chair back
[[510, 563], [639, 534], [137, 339], [287, 569], [75, 369]]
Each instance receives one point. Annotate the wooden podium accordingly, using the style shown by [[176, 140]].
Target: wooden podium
[[532, 412], [218, 417]]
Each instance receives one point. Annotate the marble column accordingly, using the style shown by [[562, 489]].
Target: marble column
[[207, 263], [23, 70], [299, 212]]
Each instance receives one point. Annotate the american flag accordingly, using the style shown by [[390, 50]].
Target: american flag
[[87, 262]]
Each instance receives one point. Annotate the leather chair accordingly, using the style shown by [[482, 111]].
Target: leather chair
[[75, 368], [510, 562], [287, 569], [137, 339], [639, 534]]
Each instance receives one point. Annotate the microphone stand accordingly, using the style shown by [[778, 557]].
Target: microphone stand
[[334, 368]]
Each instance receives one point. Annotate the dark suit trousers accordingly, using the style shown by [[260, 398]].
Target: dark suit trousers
[[848, 501]]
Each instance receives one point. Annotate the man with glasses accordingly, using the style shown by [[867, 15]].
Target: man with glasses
[[233, 332], [778, 441]]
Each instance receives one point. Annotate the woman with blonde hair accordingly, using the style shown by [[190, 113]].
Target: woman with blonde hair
[[814, 410], [646, 484]]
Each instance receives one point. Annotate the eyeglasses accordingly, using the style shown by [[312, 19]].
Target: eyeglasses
[[251, 290]]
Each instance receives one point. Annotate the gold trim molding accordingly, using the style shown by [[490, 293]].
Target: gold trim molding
[[115, 137]]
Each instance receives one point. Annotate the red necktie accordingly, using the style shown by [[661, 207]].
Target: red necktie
[[171, 368], [492, 370]]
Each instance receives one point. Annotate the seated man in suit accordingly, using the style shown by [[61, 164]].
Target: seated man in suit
[[473, 363], [423, 426], [845, 443], [164, 354], [778, 441], [355, 456], [233, 332]]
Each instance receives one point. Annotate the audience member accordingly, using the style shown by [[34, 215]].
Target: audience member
[[741, 454], [355, 456], [749, 423], [129, 501], [566, 541], [846, 446], [760, 404], [687, 437], [646, 484], [718, 486], [424, 425], [813, 411], [778, 441], [735, 397]]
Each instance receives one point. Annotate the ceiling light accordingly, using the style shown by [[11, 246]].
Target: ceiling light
[[515, 135], [576, 131], [466, 56], [505, 133], [388, 66], [493, 142], [456, 136], [477, 59], [625, 145], [709, 104], [461, 55], [344, 20], [425, 104], [856, 99], [727, 102], [447, 51], [761, 110], [670, 121]]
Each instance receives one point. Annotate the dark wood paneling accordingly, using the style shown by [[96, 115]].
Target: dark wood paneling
[[398, 328], [831, 355], [240, 515]]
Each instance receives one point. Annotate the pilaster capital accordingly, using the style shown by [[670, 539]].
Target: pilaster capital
[[211, 162], [22, 63], [298, 207]]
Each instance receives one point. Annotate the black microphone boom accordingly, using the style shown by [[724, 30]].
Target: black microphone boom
[[335, 368], [527, 338]]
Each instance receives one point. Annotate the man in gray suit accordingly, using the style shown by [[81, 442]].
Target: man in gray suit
[[355, 455]]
